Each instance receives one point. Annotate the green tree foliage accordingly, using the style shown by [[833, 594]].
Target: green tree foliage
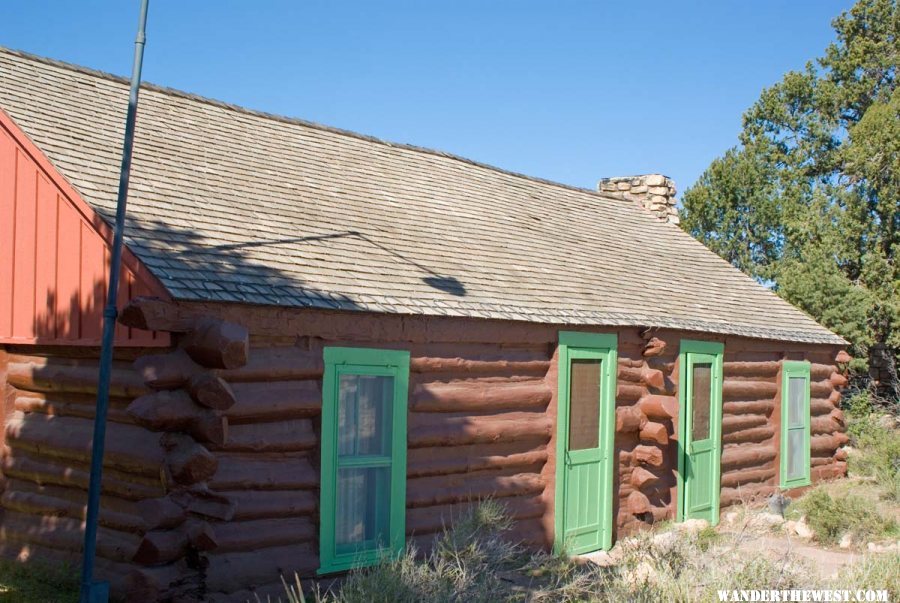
[[808, 201]]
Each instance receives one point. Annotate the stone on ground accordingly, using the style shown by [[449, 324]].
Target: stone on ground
[[642, 573], [772, 519], [602, 558], [665, 539], [799, 528], [692, 525]]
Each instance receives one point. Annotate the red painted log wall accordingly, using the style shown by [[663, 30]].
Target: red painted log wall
[[54, 256], [233, 486]]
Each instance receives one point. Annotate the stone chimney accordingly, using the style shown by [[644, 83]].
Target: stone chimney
[[654, 191]]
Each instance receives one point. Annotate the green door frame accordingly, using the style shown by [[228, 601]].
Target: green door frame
[[703, 351], [602, 346]]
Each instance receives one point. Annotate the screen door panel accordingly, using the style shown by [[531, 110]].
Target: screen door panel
[[701, 399], [584, 404]]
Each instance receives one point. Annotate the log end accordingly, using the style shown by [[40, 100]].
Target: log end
[[165, 371], [218, 344], [638, 503], [629, 419], [654, 347], [211, 391], [187, 461], [155, 314], [838, 415], [838, 380], [640, 478], [161, 513], [199, 500], [653, 378], [160, 547], [211, 429], [201, 535], [133, 314], [649, 455], [655, 432], [659, 407]]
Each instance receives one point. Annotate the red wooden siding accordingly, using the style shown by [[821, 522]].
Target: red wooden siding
[[54, 256]]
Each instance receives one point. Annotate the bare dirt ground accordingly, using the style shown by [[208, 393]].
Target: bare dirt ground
[[752, 528], [826, 563]]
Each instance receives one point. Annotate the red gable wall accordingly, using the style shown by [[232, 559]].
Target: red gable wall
[[54, 256]]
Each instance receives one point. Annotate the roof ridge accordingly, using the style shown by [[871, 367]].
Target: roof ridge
[[296, 121]]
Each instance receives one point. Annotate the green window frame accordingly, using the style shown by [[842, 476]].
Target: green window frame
[[391, 501], [793, 369]]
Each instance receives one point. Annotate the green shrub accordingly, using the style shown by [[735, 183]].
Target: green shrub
[[831, 518], [707, 537], [877, 455], [858, 404], [35, 582], [877, 443], [875, 572]]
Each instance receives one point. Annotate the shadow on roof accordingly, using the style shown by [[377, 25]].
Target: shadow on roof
[[271, 242], [447, 284], [194, 268]]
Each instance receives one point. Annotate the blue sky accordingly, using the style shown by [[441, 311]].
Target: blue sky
[[565, 90]]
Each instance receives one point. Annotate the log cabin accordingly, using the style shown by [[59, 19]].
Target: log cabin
[[330, 346]]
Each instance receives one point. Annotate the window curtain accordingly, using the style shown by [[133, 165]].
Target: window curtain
[[363, 430]]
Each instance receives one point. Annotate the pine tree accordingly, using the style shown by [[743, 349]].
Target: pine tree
[[808, 202]]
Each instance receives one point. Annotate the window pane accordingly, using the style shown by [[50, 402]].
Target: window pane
[[584, 404], [796, 454], [364, 414], [796, 402], [701, 383], [361, 521]]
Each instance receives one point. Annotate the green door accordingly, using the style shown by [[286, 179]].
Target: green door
[[700, 391], [585, 432]]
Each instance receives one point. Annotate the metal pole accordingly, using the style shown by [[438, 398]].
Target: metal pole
[[92, 592]]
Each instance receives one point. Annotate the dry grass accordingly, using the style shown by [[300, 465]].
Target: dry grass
[[466, 563], [874, 572], [474, 561]]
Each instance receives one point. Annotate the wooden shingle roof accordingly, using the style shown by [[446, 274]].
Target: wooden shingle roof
[[232, 205]]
